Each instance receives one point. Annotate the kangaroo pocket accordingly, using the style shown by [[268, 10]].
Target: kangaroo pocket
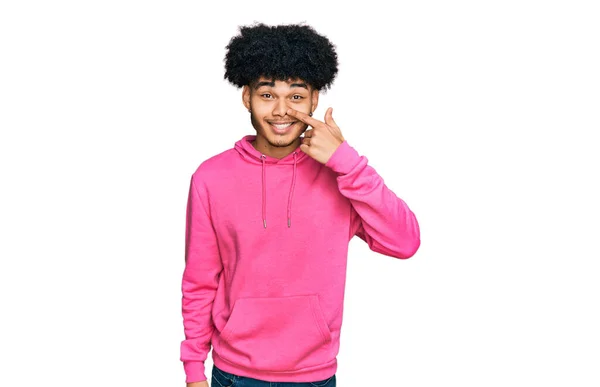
[[276, 334]]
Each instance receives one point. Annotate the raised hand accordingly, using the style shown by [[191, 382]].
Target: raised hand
[[322, 140]]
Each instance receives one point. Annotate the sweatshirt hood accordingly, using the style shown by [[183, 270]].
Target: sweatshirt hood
[[251, 155]]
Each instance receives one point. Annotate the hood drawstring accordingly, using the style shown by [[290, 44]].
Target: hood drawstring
[[249, 154], [289, 208], [264, 192]]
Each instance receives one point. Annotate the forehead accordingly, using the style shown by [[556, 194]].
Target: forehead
[[291, 83]]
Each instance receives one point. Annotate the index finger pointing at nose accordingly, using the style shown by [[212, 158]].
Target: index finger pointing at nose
[[303, 117]]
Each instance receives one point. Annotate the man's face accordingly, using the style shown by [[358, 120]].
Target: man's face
[[269, 101]]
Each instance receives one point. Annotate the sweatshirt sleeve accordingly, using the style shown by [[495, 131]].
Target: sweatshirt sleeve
[[378, 216], [200, 279]]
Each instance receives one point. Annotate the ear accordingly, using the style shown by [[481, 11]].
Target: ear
[[315, 99], [246, 96]]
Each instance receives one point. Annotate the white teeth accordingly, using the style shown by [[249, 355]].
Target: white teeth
[[283, 126]]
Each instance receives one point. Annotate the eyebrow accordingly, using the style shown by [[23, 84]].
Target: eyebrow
[[272, 84]]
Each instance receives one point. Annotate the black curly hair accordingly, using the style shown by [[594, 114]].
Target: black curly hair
[[281, 52]]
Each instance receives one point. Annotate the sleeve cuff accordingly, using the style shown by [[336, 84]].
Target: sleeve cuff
[[343, 159], [194, 371]]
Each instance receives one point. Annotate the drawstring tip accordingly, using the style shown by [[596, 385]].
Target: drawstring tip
[[265, 223], [289, 222]]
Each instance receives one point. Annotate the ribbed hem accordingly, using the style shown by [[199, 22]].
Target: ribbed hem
[[312, 374], [343, 159], [194, 371]]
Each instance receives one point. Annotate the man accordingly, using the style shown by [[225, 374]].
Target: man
[[269, 222]]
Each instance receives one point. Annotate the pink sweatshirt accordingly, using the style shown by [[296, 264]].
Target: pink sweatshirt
[[266, 251]]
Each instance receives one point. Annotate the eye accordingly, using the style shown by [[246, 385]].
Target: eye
[[297, 97], [266, 95]]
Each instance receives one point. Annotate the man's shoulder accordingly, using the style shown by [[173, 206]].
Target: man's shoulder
[[216, 165]]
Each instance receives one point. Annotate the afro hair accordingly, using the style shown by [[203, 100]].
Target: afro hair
[[280, 52]]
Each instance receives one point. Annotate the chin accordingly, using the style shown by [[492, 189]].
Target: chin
[[282, 141]]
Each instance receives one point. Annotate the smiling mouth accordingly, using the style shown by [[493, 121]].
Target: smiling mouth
[[283, 126]]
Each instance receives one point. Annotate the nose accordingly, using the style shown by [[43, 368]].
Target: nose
[[280, 108]]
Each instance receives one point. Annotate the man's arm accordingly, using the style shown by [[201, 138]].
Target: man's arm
[[378, 216], [203, 267]]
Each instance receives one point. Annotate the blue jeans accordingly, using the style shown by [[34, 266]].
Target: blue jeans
[[222, 378]]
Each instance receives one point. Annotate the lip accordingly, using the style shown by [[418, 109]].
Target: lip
[[282, 130]]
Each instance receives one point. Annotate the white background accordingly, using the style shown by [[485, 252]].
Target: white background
[[480, 115]]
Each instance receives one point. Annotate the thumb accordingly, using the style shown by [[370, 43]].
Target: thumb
[[329, 118]]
